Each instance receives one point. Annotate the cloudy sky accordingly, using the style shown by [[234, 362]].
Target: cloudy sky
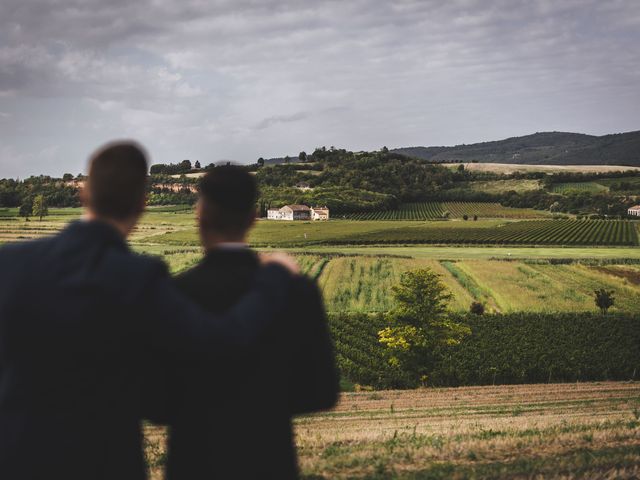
[[211, 80]]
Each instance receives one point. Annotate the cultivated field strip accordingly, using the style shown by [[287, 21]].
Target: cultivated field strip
[[480, 432], [528, 232], [579, 430], [437, 210], [591, 187]]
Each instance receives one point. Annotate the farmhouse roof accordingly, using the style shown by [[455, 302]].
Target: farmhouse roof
[[635, 207], [298, 208]]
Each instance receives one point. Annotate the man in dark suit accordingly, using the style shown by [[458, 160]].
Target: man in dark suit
[[79, 313], [232, 418]]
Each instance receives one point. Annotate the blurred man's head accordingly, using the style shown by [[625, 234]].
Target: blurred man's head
[[116, 188], [227, 204]]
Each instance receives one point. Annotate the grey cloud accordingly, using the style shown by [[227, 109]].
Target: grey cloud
[[190, 78], [268, 122]]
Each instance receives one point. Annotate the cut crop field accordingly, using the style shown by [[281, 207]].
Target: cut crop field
[[509, 168], [560, 431], [438, 210]]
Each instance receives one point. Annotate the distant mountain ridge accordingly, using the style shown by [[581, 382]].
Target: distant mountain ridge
[[545, 148]]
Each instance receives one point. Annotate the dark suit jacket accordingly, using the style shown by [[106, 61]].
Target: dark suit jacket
[[232, 419], [79, 314]]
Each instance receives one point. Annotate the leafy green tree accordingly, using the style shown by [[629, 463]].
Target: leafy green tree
[[197, 165], [185, 166], [420, 325], [40, 208], [461, 167], [604, 299], [302, 156], [26, 208], [260, 162], [67, 177]]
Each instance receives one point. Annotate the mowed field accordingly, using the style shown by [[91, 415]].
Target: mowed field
[[563, 431], [509, 168]]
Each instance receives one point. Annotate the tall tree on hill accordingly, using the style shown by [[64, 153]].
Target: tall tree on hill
[[302, 156], [185, 166], [197, 165], [26, 209], [260, 162], [40, 208], [420, 326]]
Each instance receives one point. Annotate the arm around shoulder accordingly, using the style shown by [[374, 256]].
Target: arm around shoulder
[[315, 379]]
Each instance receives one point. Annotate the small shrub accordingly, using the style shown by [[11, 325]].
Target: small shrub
[[604, 299], [477, 308]]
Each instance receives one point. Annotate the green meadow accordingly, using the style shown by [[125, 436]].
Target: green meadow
[[356, 269]]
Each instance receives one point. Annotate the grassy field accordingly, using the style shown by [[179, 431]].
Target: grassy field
[[486, 232], [503, 186], [363, 284], [563, 431], [359, 278]]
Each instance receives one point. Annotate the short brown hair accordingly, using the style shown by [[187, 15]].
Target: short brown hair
[[228, 195], [117, 180]]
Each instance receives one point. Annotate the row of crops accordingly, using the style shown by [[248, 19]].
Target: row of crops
[[504, 349], [439, 210], [591, 187], [531, 232]]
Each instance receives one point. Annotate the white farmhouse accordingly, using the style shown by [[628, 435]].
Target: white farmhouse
[[319, 213], [634, 211], [290, 212], [274, 214]]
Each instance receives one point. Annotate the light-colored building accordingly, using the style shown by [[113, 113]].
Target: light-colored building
[[274, 214], [298, 212], [319, 213], [634, 211]]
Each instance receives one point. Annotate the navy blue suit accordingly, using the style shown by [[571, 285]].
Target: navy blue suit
[[231, 419], [79, 314]]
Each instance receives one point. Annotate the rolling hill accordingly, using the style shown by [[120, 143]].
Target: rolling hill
[[546, 148]]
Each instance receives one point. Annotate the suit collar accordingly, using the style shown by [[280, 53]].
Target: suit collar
[[96, 231], [221, 255]]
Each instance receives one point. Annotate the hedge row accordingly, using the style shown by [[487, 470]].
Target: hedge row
[[503, 349]]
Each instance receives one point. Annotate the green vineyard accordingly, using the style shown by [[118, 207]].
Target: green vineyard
[[591, 187], [508, 349], [439, 210], [531, 232]]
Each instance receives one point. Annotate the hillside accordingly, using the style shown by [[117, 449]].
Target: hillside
[[550, 148]]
